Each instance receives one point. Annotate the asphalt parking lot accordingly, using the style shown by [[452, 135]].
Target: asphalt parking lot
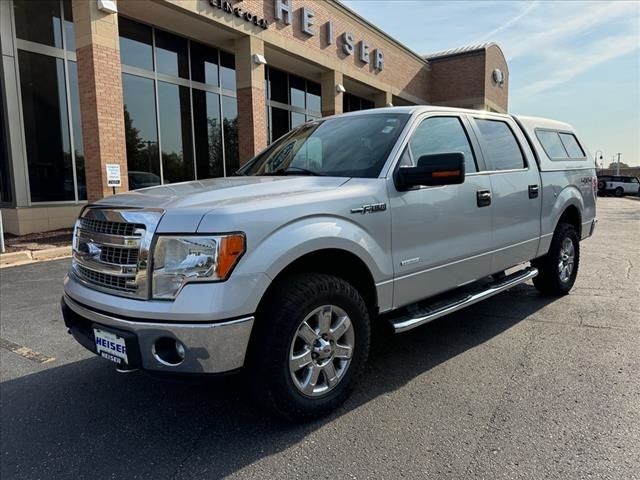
[[520, 386]]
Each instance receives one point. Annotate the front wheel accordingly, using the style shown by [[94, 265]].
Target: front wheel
[[310, 346], [558, 269]]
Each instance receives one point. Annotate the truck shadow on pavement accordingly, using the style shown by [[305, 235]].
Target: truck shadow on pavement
[[84, 420]]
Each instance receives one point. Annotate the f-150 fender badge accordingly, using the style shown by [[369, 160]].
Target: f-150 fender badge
[[371, 208]]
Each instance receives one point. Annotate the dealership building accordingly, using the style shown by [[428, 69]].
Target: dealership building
[[177, 90]]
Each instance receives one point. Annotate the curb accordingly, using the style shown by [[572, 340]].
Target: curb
[[32, 256]]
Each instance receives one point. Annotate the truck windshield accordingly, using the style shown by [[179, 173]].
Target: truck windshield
[[351, 146]]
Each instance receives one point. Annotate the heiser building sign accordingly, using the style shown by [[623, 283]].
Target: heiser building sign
[[284, 13]]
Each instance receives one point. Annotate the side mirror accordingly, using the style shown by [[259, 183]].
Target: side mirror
[[432, 170]]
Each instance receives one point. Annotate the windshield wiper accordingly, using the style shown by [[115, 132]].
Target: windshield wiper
[[297, 171]]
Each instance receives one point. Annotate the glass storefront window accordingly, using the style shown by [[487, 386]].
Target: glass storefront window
[[230, 131], [69, 33], [208, 134], [291, 101], [38, 21], [46, 127], [5, 182], [297, 91], [353, 103], [135, 44], [141, 134], [76, 125], [314, 100], [204, 64], [297, 119], [227, 71], [278, 123], [277, 86], [198, 126], [175, 132], [171, 54]]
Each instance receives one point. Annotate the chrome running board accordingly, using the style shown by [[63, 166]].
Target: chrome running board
[[421, 315]]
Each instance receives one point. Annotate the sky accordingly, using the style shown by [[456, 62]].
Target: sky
[[574, 61]]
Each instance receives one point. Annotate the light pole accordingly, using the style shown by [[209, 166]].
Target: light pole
[[595, 159]]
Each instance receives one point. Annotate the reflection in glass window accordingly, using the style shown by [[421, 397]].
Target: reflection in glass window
[[227, 71], [46, 127], [551, 143], [230, 131], [76, 124], [314, 100], [501, 148], [297, 119], [204, 64], [38, 21], [440, 135], [171, 54], [571, 144], [135, 44], [297, 91], [141, 134], [69, 32], [175, 132], [208, 134]]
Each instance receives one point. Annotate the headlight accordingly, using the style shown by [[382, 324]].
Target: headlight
[[178, 260]]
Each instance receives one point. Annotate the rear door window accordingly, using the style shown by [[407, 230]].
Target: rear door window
[[571, 144], [499, 145]]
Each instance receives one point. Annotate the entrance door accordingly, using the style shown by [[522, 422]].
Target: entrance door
[[440, 235]]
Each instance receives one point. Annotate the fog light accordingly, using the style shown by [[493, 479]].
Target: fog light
[[168, 351]]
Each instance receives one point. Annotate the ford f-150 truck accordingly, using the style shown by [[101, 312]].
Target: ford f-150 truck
[[393, 216]]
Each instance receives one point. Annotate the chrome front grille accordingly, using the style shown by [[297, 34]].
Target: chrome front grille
[[119, 256], [110, 228], [106, 280], [111, 249]]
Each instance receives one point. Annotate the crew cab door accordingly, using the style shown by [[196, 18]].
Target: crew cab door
[[516, 190], [440, 235]]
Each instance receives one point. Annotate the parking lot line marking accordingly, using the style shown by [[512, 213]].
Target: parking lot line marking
[[25, 352]]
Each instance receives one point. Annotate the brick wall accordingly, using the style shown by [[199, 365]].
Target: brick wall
[[100, 86], [458, 81]]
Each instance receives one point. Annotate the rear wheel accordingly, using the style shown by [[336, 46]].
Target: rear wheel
[[618, 192], [558, 269], [310, 346]]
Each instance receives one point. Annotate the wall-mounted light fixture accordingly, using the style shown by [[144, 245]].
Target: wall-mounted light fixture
[[259, 59], [340, 88], [107, 6]]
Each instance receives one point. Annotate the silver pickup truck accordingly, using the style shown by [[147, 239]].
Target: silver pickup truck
[[393, 216]]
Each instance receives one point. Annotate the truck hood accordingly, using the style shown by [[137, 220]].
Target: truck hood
[[186, 203]]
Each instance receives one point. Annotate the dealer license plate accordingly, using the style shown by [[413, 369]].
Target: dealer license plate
[[110, 346]]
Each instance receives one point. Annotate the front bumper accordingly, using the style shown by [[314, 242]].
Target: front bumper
[[209, 347]]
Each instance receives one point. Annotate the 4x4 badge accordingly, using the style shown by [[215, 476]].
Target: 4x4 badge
[[371, 208]]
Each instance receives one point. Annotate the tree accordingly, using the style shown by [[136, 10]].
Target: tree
[[614, 165]]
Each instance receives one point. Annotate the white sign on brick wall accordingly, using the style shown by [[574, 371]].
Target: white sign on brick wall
[[113, 175]]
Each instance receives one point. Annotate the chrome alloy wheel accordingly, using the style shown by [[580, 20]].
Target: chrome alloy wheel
[[321, 350], [566, 260]]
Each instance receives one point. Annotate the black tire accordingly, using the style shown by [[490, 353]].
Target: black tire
[[276, 327], [549, 280], [618, 192]]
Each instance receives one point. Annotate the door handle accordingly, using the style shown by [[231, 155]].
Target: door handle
[[483, 198], [534, 190]]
